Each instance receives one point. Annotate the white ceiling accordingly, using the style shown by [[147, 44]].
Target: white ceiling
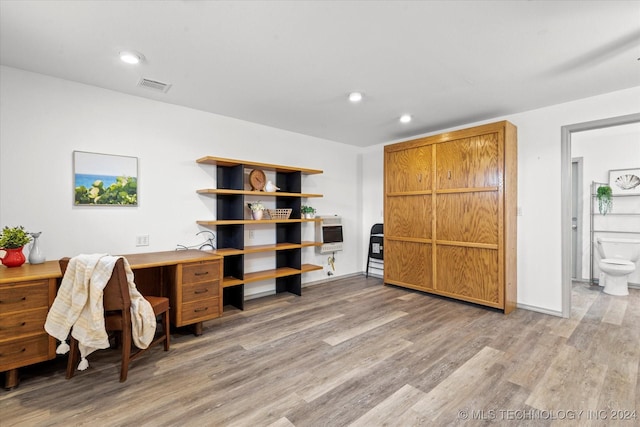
[[291, 65]]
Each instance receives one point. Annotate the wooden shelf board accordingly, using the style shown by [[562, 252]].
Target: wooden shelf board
[[228, 251], [228, 281], [219, 161], [226, 191], [254, 221], [310, 267], [268, 274], [311, 243], [263, 248]]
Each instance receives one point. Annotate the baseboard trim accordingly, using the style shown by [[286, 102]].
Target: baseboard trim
[[330, 279], [248, 297], [539, 309], [362, 273]]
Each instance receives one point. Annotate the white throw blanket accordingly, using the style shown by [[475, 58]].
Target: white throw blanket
[[78, 304]]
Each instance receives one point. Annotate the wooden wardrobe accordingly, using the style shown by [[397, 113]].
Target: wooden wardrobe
[[450, 214]]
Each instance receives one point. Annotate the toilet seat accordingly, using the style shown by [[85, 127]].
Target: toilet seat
[[616, 261]]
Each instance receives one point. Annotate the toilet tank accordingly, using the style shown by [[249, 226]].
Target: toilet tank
[[617, 248]]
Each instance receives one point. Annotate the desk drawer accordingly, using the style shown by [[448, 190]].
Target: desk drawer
[[200, 310], [24, 296], [197, 291], [198, 272], [24, 351], [20, 324]]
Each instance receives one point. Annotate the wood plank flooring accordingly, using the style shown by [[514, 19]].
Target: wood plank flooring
[[353, 352]]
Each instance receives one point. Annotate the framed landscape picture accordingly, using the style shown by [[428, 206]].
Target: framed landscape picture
[[104, 179], [625, 181]]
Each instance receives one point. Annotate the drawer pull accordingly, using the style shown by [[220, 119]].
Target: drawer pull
[[19, 325], [197, 310], [15, 352], [201, 291], [7, 301], [201, 273]]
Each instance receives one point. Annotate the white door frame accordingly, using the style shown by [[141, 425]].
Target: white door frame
[[578, 161], [565, 194]]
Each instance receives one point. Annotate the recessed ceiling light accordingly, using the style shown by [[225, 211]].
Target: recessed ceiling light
[[355, 97], [131, 57], [405, 118]]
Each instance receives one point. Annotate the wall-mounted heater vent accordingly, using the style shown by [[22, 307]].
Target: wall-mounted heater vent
[[154, 85]]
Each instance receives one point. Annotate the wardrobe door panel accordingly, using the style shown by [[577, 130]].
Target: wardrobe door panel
[[411, 217], [468, 217], [408, 264], [469, 162], [450, 206], [408, 170], [469, 272]]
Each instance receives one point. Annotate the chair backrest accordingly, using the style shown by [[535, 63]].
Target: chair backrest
[[377, 229], [116, 292]]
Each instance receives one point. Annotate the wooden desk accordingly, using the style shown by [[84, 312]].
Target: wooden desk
[[191, 279]]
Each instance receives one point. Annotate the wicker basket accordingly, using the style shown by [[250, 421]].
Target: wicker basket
[[279, 213]]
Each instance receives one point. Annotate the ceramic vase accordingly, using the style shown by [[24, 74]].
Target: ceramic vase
[[256, 214], [36, 256], [13, 257], [604, 205]]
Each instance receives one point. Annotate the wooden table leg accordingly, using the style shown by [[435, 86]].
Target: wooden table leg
[[11, 379], [197, 329]]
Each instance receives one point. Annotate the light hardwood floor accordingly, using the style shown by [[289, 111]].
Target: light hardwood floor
[[356, 352]]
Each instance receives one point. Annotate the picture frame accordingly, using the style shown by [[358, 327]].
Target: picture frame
[[625, 181], [104, 179]]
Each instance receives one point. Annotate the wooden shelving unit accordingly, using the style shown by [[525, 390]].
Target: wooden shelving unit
[[230, 223], [255, 193], [253, 221]]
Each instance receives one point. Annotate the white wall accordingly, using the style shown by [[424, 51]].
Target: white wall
[[603, 150], [43, 120], [539, 155]]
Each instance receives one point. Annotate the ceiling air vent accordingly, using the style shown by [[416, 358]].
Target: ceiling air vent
[[154, 85]]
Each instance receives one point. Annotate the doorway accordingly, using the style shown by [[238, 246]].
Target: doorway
[[566, 199]]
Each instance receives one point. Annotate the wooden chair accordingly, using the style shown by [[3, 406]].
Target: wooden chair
[[117, 316]]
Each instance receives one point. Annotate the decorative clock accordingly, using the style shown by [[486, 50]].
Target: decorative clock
[[257, 180]]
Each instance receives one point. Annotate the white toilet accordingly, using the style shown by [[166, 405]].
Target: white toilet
[[617, 261]]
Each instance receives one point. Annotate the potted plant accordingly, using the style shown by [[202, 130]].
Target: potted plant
[[307, 212], [605, 201], [12, 240], [257, 209]]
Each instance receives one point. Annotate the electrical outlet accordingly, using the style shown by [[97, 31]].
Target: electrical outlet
[[142, 240], [251, 235], [519, 211]]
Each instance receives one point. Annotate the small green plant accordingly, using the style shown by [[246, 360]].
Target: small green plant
[[605, 201], [307, 210], [14, 237], [257, 206]]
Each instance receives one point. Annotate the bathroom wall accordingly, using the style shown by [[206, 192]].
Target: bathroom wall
[[603, 150]]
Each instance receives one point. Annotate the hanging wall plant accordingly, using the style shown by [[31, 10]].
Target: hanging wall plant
[[605, 202]]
